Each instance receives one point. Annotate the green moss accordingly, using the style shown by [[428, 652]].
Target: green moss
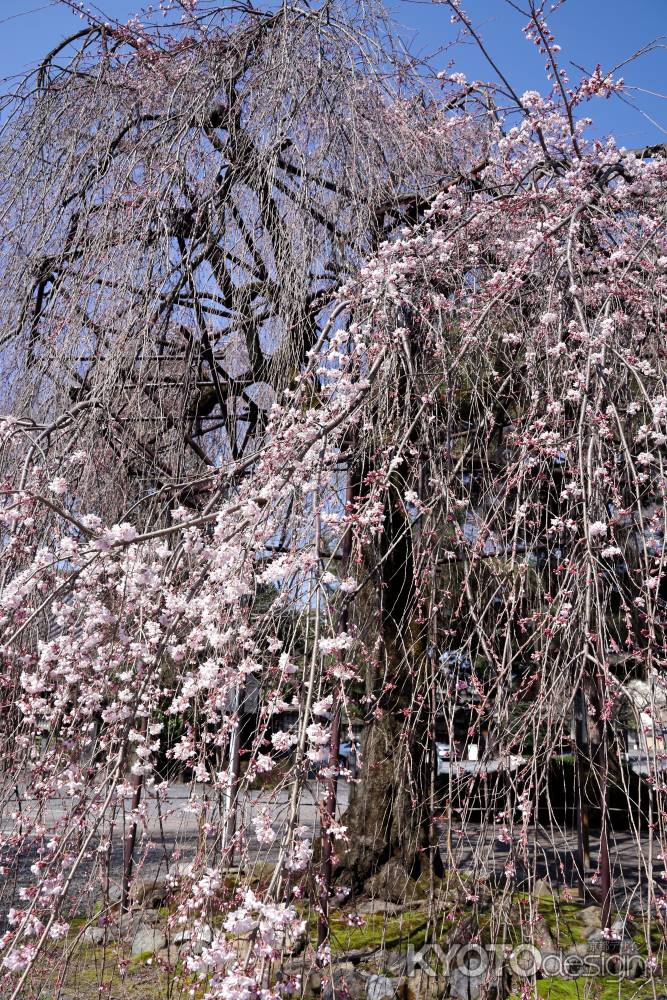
[[92, 973], [564, 922], [418, 889], [378, 931], [657, 936], [141, 957], [78, 922], [600, 988]]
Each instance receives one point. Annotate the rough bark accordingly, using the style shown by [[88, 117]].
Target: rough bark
[[387, 817]]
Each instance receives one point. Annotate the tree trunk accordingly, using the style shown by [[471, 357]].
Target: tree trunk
[[388, 815]]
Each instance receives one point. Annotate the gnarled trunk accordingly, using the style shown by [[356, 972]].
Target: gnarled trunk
[[388, 815]]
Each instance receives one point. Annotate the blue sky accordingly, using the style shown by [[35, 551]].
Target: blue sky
[[589, 31]]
